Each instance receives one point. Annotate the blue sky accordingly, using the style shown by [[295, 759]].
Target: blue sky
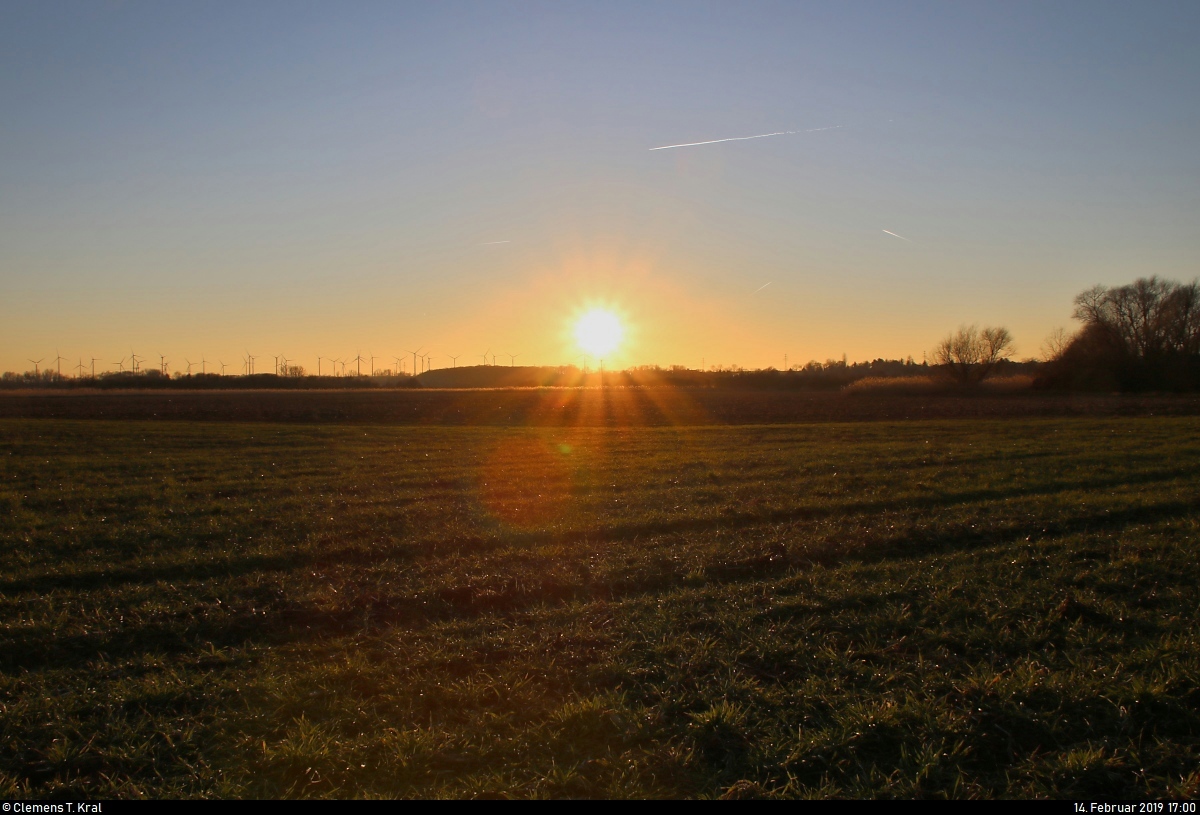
[[314, 179]]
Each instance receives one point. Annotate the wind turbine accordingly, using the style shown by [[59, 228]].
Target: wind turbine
[[399, 365], [203, 365], [162, 364], [94, 361], [189, 364], [120, 365], [512, 358], [485, 353], [133, 361], [414, 353], [250, 364], [79, 368], [58, 358], [372, 368], [454, 359], [36, 363], [222, 368], [358, 361]]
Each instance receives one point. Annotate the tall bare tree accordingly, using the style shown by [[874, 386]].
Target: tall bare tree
[[1055, 344], [1149, 318]]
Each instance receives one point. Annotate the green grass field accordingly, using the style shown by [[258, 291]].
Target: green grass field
[[917, 609]]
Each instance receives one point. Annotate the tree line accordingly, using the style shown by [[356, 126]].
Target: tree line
[[1140, 337], [155, 380], [1144, 336]]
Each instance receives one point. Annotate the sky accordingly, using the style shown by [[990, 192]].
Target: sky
[[199, 180]]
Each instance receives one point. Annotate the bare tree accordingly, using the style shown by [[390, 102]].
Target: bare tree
[[1148, 318], [1055, 344], [970, 354]]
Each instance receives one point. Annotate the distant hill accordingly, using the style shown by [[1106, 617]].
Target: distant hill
[[503, 376], [831, 376]]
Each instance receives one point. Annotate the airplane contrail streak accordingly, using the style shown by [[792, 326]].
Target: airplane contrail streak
[[894, 235], [493, 243], [760, 288], [746, 138]]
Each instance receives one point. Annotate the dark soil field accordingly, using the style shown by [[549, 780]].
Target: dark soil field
[[914, 609], [572, 407]]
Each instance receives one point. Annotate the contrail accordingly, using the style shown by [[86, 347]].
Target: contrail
[[493, 243], [894, 235], [744, 138], [760, 288]]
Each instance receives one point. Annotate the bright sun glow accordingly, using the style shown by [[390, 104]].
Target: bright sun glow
[[598, 331]]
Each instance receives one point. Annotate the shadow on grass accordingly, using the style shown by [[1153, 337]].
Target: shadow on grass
[[288, 621], [284, 562]]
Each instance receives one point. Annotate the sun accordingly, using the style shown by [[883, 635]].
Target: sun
[[598, 331]]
